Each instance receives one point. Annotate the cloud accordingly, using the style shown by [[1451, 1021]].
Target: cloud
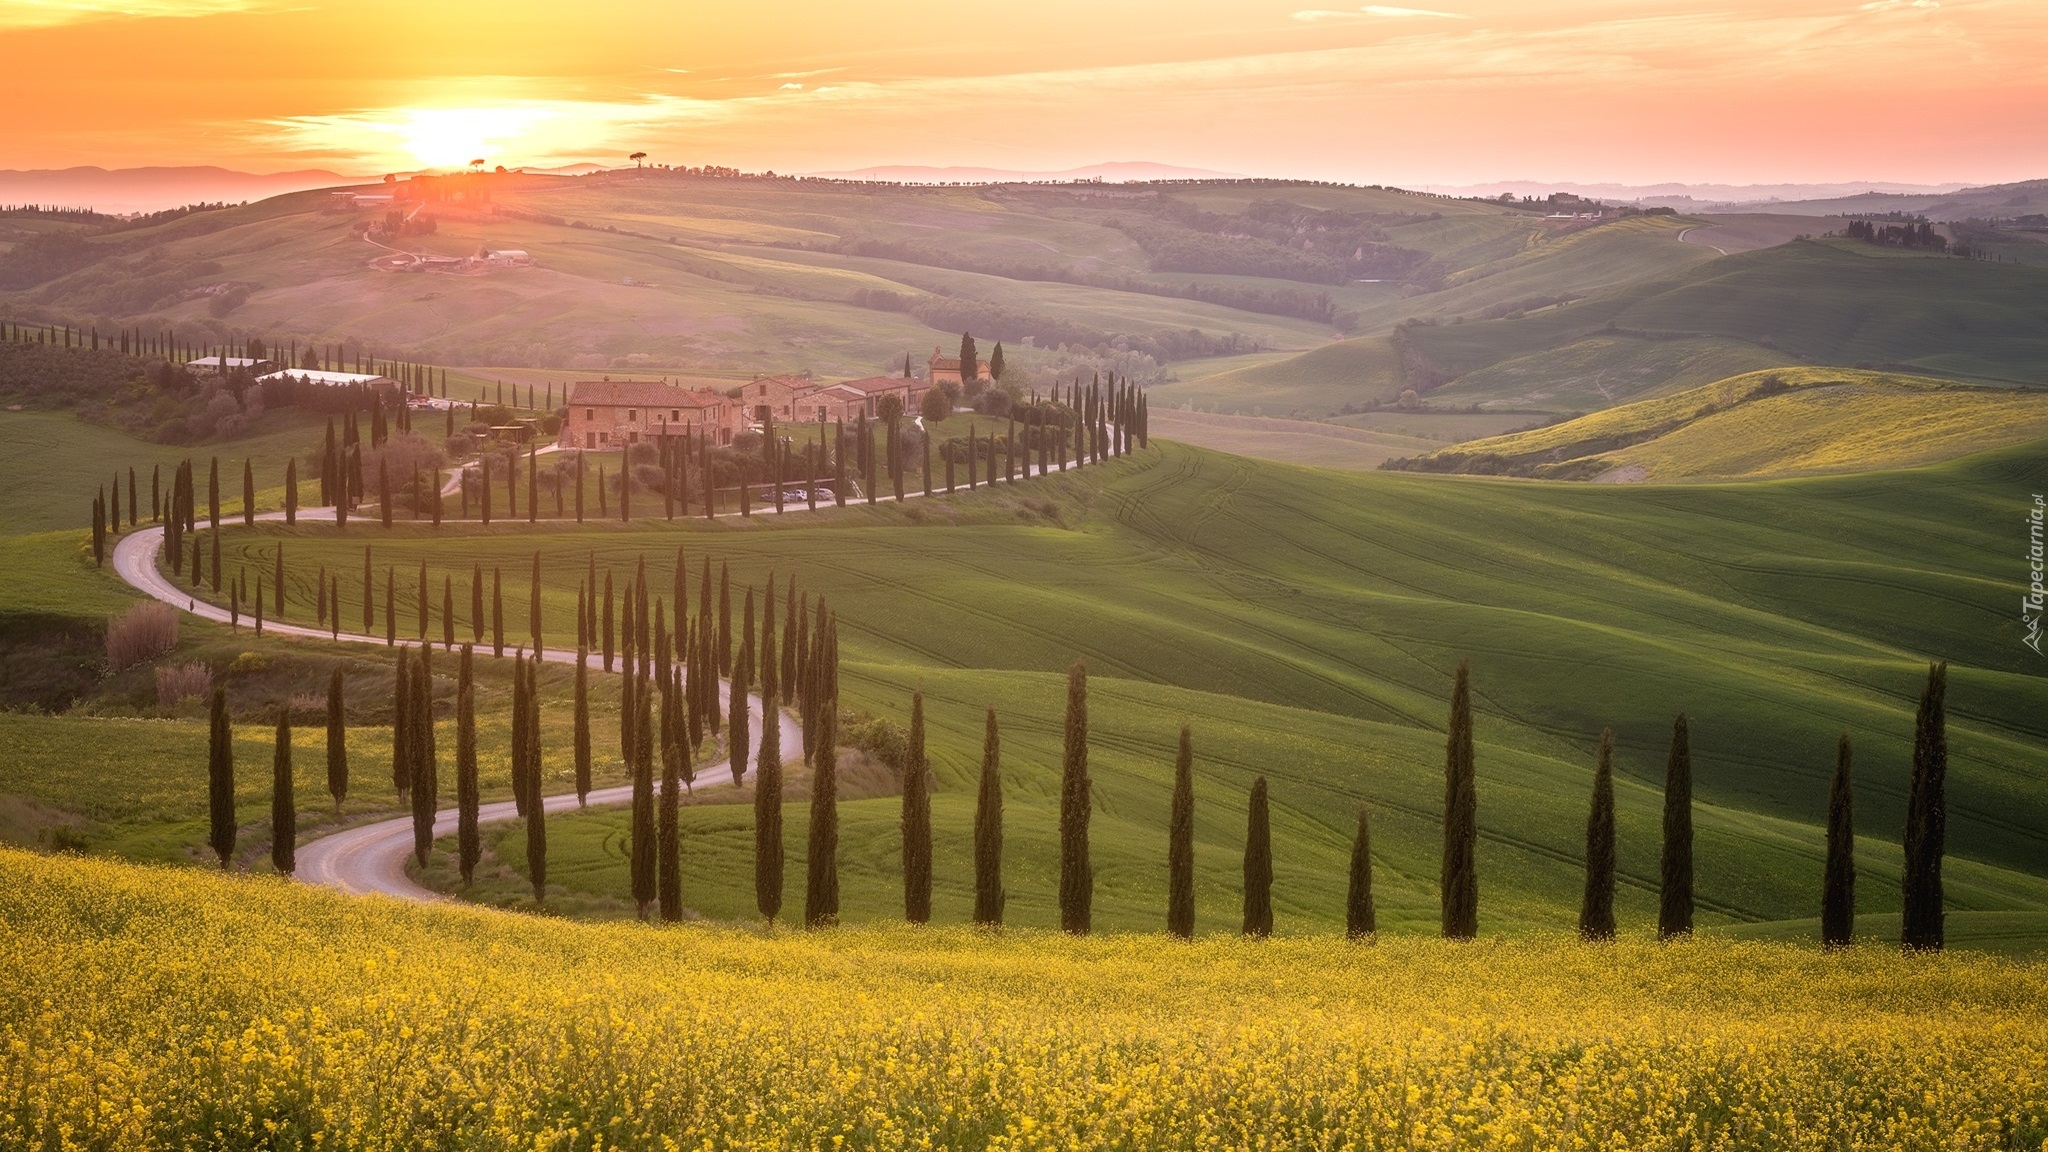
[[1386, 11], [791, 87], [15, 14], [1896, 5]]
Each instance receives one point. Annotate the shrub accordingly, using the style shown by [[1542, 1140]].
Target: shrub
[[882, 740], [249, 664], [144, 632], [175, 682]]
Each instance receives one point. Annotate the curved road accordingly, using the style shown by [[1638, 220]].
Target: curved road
[[371, 857]]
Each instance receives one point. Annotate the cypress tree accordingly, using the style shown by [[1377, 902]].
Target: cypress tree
[[1258, 864], [582, 726], [248, 495], [536, 805], [476, 603], [1360, 920], [643, 847], [447, 613], [669, 867], [1838, 887], [1460, 878], [533, 608], [821, 890], [737, 739], [746, 637], [220, 779], [608, 623], [786, 681], [1674, 907], [724, 618], [401, 728], [425, 604], [284, 820], [1926, 836], [337, 740], [768, 859], [498, 612], [468, 844], [426, 784], [917, 822], [291, 491], [1077, 879], [1596, 907], [988, 828], [1180, 843]]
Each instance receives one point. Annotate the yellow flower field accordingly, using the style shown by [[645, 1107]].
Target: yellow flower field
[[160, 1008]]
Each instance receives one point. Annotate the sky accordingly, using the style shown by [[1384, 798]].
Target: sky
[[1632, 91]]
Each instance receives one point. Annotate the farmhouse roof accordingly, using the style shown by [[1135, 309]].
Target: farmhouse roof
[[868, 385], [317, 376]]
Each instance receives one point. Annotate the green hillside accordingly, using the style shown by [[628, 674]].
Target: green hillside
[[1305, 622], [1790, 422]]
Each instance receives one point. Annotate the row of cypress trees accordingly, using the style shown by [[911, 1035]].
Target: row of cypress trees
[[655, 832]]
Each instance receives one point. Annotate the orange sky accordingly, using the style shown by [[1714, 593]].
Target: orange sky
[[1446, 92]]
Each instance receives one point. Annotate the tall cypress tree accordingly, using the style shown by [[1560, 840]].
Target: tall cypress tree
[[468, 844], [1180, 843], [917, 821], [476, 603], [1838, 886], [988, 828], [401, 728], [220, 779], [1258, 864], [643, 848], [498, 612], [248, 495], [1460, 875], [536, 805], [284, 820], [768, 859], [337, 740], [518, 758], [291, 491], [737, 738], [821, 888], [668, 865], [1923, 929], [724, 619], [533, 608], [1360, 920], [1596, 905], [426, 785], [582, 727], [1077, 877], [1674, 905]]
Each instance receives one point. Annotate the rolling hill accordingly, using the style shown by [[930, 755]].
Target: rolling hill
[[1788, 422]]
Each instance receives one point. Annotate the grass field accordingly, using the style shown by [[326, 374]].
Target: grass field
[[151, 1009], [1825, 420], [1306, 623]]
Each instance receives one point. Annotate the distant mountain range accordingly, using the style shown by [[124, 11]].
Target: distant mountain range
[[1677, 195], [1116, 172], [125, 190]]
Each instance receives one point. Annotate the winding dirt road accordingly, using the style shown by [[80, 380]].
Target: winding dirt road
[[370, 858]]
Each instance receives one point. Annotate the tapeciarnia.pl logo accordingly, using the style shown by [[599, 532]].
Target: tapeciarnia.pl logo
[[2031, 603]]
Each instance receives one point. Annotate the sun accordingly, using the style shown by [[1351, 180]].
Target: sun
[[452, 137]]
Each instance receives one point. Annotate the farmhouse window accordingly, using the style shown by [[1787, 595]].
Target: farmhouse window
[[590, 413], [632, 415]]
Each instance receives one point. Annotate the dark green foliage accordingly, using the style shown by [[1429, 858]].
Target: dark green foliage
[[582, 726], [401, 728], [1927, 817], [1674, 905], [468, 844], [1460, 875], [988, 828], [1077, 878], [917, 822], [1258, 864], [425, 772], [1180, 842], [821, 888], [675, 753], [220, 779], [337, 740], [284, 819], [1596, 906], [639, 715], [1360, 919], [768, 822], [536, 806], [1838, 885], [737, 738]]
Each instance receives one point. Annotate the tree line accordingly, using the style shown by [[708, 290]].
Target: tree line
[[670, 707]]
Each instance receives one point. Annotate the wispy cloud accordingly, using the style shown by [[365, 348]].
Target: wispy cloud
[[52, 13], [1895, 5], [1370, 11]]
